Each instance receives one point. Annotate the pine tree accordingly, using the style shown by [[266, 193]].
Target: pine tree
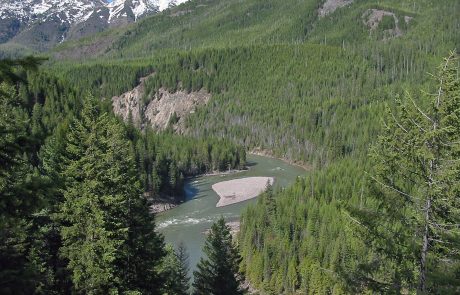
[[183, 277], [175, 270], [22, 190], [219, 272], [8, 68], [173, 177], [48, 241], [269, 198], [108, 233], [415, 181]]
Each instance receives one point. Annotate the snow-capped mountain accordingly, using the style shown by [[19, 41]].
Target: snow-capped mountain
[[41, 24], [122, 8], [66, 10]]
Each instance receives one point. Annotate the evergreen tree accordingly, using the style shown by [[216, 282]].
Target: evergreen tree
[[22, 189], [48, 242], [108, 233], [175, 270], [15, 199], [183, 277], [412, 221], [8, 68], [268, 197], [219, 272]]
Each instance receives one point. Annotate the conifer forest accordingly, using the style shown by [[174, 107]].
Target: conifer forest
[[111, 144]]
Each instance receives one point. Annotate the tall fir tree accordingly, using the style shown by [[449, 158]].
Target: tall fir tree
[[108, 234], [183, 270], [22, 189], [8, 68], [219, 272], [175, 271], [412, 220]]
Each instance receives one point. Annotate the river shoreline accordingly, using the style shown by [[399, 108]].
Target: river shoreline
[[165, 203], [218, 173], [233, 225], [269, 154], [159, 206], [189, 222]]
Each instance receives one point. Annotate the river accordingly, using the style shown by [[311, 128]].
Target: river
[[189, 221]]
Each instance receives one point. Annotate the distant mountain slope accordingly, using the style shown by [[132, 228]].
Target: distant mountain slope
[[231, 23], [249, 55], [41, 24]]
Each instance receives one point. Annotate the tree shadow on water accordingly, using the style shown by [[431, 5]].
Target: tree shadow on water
[[250, 164]]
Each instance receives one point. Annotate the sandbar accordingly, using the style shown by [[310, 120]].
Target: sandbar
[[239, 190]]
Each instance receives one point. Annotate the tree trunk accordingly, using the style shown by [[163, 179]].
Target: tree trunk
[[422, 283]]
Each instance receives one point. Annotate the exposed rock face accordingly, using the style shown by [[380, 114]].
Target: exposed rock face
[[331, 5], [130, 103], [42, 23], [162, 108], [373, 17]]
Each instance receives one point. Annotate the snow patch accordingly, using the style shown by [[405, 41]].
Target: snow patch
[[164, 4], [72, 12]]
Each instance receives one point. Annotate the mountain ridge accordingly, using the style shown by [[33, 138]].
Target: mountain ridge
[[41, 24]]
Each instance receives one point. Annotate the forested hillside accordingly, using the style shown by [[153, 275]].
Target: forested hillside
[[373, 224], [168, 158], [73, 182], [342, 77], [288, 80], [305, 88], [220, 24]]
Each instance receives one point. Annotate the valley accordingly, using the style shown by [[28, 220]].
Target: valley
[[349, 107], [189, 221]]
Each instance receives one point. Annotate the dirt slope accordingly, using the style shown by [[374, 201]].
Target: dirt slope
[[161, 108]]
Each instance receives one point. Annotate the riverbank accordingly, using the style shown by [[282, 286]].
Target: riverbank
[[239, 190], [234, 227], [190, 220], [269, 154], [166, 204], [163, 204], [217, 173]]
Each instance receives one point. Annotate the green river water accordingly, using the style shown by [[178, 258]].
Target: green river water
[[189, 221]]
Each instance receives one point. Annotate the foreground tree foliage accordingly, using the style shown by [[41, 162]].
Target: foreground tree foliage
[[412, 220], [304, 87], [74, 218], [301, 240], [175, 270], [22, 188], [8, 68], [108, 234], [219, 272]]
